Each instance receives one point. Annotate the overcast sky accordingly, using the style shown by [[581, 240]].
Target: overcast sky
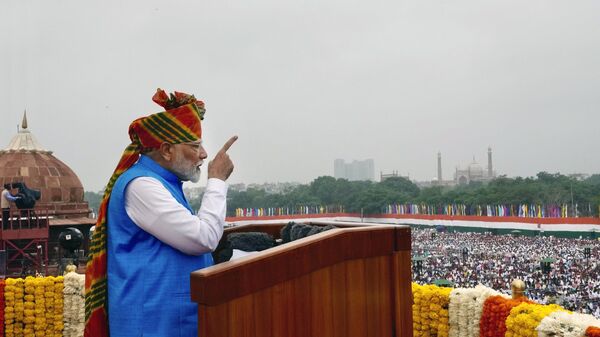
[[305, 82]]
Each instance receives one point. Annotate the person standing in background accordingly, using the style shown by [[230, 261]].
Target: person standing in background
[[7, 197]]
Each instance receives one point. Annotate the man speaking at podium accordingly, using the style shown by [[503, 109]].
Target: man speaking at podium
[[147, 239]]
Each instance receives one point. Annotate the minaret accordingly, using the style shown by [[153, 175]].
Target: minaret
[[439, 168], [490, 168]]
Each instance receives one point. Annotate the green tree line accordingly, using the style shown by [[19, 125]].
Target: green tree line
[[370, 197]]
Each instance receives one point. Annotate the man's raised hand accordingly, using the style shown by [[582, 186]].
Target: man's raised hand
[[221, 166]]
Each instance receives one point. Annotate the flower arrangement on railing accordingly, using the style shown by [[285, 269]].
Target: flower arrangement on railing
[[2, 304], [297, 210], [58, 294], [525, 318], [14, 307], [54, 306], [495, 311], [481, 311], [592, 331], [34, 306], [9, 307], [566, 324], [430, 310], [465, 309], [74, 304], [31, 306]]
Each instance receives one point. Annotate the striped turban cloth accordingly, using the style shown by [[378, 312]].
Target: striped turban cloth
[[180, 123]]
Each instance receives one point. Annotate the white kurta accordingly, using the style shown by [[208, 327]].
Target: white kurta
[[152, 207]]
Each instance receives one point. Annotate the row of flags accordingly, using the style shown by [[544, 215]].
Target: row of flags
[[297, 210], [519, 210]]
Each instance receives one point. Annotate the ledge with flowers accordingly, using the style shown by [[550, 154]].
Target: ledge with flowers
[[42, 306], [54, 306], [482, 311]]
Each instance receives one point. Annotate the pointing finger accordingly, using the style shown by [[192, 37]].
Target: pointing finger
[[228, 144]]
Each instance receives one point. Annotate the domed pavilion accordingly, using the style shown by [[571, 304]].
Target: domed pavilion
[[25, 160], [61, 202]]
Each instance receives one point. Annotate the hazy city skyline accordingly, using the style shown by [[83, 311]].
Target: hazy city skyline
[[304, 83], [354, 170]]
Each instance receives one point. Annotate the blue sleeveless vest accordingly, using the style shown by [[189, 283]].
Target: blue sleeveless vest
[[148, 281]]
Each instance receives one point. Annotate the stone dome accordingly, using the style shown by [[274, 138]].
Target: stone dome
[[25, 160], [475, 170]]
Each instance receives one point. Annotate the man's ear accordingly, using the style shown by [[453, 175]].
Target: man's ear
[[166, 151]]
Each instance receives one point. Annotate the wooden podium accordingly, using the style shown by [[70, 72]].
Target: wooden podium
[[351, 281]]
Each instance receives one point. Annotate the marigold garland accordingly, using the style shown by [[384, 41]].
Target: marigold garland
[[54, 307], [29, 313], [495, 311], [40, 308], [19, 289], [9, 309], [430, 310], [58, 305], [524, 318], [482, 311], [592, 331], [49, 298], [32, 307], [2, 305]]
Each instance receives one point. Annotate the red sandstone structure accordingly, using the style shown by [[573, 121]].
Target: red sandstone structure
[[31, 237]]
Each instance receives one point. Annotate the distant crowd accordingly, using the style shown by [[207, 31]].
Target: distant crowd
[[467, 259]]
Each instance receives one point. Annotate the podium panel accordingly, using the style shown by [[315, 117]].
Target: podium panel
[[350, 281]]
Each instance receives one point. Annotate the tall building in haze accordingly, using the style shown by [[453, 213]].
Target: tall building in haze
[[356, 170]]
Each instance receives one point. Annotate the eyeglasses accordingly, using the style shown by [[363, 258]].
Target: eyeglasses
[[196, 146]]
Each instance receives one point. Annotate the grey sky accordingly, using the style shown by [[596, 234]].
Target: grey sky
[[305, 82]]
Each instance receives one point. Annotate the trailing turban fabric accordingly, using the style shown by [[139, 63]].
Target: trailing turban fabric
[[180, 123]]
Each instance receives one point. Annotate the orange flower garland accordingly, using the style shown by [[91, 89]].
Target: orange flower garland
[[592, 332], [495, 311]]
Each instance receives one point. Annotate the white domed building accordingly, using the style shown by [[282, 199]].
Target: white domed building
[[475, 172]]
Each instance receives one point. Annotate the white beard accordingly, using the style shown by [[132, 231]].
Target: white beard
[[186, 170]]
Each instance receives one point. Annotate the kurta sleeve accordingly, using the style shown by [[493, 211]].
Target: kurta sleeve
[[152, 207]]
